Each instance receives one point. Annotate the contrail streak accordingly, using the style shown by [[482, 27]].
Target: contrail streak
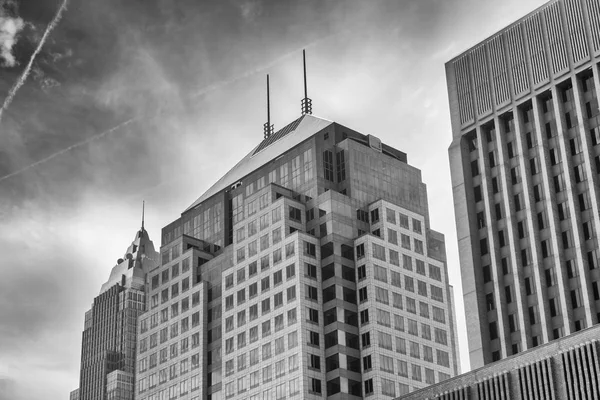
[[27, 70], [50, 157], [201, 92], [261, 68]]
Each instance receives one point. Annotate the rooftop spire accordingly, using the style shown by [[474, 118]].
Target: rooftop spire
[[143, 210], [268, 128], [306, 102]]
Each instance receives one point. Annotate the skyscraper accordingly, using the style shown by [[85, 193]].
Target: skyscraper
[[525, 159], [308, 270], [110, 331]]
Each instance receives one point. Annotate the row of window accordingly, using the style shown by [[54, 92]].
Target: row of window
[[384, 318], [173, 271], [163, 335], [265, 286], [153, 320], [388, 342], [290, 272], [381, 274], [390, 216], [281, 391], [264, 353], [392, 366], [252, 335], [382, 296], [263, 223], [168, 372]]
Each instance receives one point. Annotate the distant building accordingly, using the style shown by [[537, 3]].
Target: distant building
[[525, 160], [565, 369], [309, 270], [109, 336]]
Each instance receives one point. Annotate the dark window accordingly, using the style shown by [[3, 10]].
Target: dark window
[[341, 166], [328, 165], [366, 339], [477, 192], [474, 168], [508, 294], [295, 214], [510, 150], [375, 215], [493, 331]]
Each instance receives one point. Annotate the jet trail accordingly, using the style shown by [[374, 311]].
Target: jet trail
[[74, 146], [201, 92], [27, 70]]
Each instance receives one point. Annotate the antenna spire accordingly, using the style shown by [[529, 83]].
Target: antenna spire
[[306, 103], [143, 211], [267, 127]]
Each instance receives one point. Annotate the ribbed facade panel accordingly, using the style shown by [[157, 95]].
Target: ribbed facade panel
[[481, 79], [593, 7], [499, 73], [576, 28], [537, 53], [556, 38], [580, 372], [536, 382], [465, 101], [518, 65]]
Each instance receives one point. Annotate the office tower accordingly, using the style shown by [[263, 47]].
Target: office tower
[[109, 336], [525, 161], [308, 270]]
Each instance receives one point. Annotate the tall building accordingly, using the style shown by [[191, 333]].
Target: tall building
[[109, 336], [309, 270], [525, 159]]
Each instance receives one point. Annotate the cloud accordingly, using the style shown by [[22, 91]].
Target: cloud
[[10, 27], [250, 9]]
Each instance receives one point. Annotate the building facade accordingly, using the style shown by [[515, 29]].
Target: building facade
[[109, 342], [525, 159], [308, 271], [565, 369]]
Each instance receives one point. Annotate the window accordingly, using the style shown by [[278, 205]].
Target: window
[[369, 386], [360, 251], [385, 340], [295, 214], [379, 252], [310, 249], [277, 277], [289, 250], [362, 294], [375, 215], [313, 338], [364, 317], [266, 306], [365, 339], [397, 300], [278, 300], [435, 272], [405, 241], [380, 273], [381, 295], [310, 271], [311, 293], [313, 315], [315, 385]]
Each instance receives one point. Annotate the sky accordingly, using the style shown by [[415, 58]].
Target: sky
[[154, 100]]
